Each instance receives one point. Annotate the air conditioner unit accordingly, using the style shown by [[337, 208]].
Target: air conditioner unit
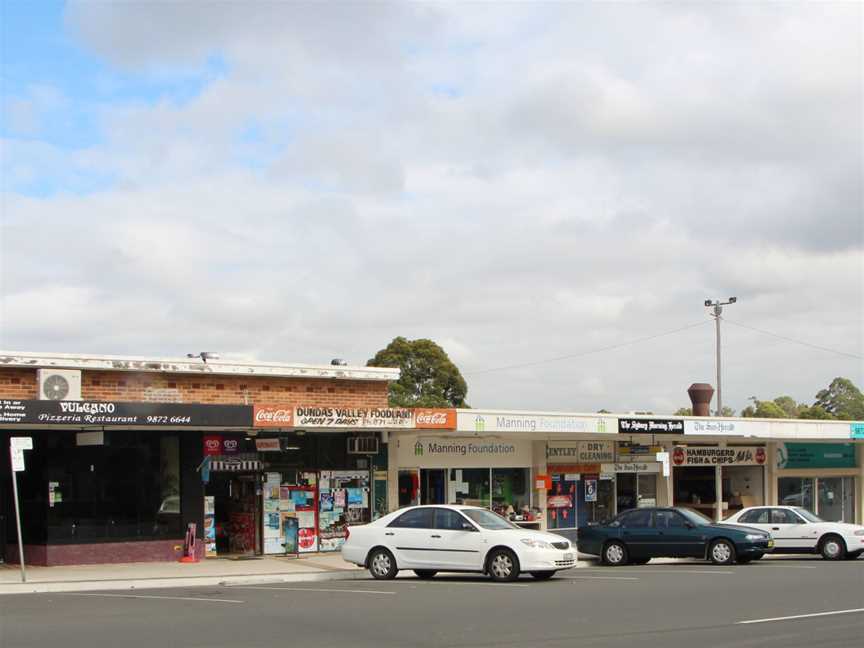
[[59, 384], [365, 445]]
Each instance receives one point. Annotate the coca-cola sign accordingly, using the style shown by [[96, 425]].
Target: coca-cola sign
[[273, 416], [431, 419]]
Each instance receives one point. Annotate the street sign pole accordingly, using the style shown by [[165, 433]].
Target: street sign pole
[[18, 521]]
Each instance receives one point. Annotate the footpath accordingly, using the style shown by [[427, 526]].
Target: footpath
[[214, 571]]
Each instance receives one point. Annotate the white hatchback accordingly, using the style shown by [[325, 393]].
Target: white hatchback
[[429, 539], [797, 530]]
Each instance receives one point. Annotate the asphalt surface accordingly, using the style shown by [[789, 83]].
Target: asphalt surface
[[685, 604]]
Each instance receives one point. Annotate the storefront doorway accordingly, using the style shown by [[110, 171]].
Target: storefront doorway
[[696, 488], [595, 500], [433, 486], [236, 512], [635, 490]]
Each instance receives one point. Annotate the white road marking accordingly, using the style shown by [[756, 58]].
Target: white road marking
[[665, 571], [801, 616], [309, 589], [143, 596], [620, 578]]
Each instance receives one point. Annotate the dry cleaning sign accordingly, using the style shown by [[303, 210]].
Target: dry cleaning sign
[[581, 452]]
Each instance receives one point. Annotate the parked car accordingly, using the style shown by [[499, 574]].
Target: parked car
[[638, 535], [430, 539], [797, 530]]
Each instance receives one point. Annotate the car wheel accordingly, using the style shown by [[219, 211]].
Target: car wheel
[[721, 552], [382, 564], [832, 547], [543, 575], [503, 565], [615, 554], [425, 573]]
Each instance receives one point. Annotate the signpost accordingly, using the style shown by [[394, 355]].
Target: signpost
[[17, 446]]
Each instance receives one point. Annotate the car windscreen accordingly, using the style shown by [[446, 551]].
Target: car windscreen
[[488, 519], [695, 516], [807, 515]]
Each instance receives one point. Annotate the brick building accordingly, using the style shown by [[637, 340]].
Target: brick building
[[128, 451]]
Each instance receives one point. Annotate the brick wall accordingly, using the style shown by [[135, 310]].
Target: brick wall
[[184, 388], [102, 553]]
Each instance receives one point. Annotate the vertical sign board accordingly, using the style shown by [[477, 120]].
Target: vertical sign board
[[17, 446]]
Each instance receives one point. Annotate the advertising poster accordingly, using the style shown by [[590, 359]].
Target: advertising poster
[[590, 490], [209, 526]]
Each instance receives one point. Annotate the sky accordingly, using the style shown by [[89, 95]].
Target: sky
[[550, 191]]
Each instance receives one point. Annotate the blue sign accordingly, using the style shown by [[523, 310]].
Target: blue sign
[[856, 430]]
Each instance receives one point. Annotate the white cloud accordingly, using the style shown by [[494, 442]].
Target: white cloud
[[519, 184]]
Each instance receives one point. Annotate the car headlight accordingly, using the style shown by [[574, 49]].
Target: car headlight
[[536, 544], [860, 532], [756, 536]]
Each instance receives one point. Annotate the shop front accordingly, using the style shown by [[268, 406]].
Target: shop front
[[582, 487], [821, 477], [718, 480], [491, 472]]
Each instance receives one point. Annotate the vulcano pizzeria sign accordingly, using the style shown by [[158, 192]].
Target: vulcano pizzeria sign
[[717, 456]]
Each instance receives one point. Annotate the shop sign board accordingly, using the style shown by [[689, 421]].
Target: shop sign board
[[761, 429], [435, 419], [581, 452], [216, 444], [631, 449], [39, 412], [268, 445], [713, 427], [636, 465], [451, 452], [650, 426], [856, 430], [354, 417], [717, 456], [590, 490], [490, 421], [272, 416], [815, 455]]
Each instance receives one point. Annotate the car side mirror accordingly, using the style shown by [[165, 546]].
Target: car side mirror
[[689, 525], [467, 526]]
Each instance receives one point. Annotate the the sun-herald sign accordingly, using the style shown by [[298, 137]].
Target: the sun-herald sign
[[718, 456]]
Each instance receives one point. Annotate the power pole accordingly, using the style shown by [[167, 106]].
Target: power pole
[[718, 311]]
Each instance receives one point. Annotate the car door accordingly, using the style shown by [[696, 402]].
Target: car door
[[638, 533], [410, 536], [460, 545], [676, 537], [791, 532]]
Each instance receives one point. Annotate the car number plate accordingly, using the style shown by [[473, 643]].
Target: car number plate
[[771, 543], [568, 556]]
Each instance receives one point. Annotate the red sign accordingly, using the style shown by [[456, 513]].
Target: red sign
[[212, 445], [435, 419], [559, 501], [678, 456], [267, 445], [760, 456], [273, 416]]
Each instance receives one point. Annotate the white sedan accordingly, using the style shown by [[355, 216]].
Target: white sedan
[[429, 539], [797, 530]]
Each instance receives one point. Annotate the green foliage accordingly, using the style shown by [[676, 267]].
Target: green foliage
[[764, 409], [814, 412], [429, 378], [727, 411], [842, 400], [684, 411]]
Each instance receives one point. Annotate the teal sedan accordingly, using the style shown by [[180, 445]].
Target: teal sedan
[[638, 535]]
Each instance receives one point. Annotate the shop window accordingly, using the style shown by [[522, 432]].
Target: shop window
[[125, 489], [796, 491], [561, 502], [510, 494], [470, 486], [415, 519]]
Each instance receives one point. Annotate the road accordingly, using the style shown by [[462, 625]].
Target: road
[[685, 604]]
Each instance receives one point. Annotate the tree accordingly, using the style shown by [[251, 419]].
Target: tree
[[429, 378], [727, 411], [684, 411], [765, 409], [842, 400], [814, 412]]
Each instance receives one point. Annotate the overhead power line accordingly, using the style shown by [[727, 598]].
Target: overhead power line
[[793, 340], [589, 352]]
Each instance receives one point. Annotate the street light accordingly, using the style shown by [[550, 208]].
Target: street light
[[718, 310]]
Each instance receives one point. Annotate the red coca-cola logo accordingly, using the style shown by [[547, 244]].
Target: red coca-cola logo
[[435, 418], [678, 456], [273, 416], [760, 455]]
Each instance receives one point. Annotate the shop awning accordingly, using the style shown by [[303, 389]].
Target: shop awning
[[235, 465]]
